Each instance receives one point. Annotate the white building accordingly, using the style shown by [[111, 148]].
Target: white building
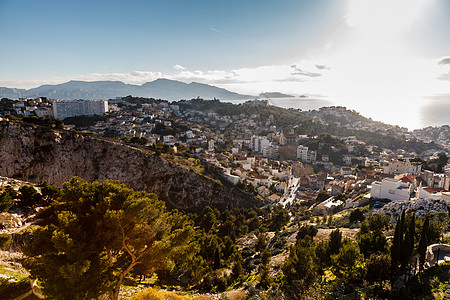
[[306, 155], [328, 206], [271, 151], [169, 140], [43, 113], [312, 155], [302, 152], [211, 146], [399, 167], [436, 180], [189, 134], [429, 193], [259, 143], [392, 189], [74, 108]]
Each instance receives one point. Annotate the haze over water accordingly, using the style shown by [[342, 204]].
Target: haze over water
[[434, 111]]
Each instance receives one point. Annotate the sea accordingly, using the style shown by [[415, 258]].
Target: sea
[[425, 112]]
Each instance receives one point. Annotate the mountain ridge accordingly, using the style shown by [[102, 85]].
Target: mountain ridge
[[160, 88]]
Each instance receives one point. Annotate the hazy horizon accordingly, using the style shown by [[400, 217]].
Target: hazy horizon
[[368, 55]]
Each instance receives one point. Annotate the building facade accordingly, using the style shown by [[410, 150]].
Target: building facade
[[391, 189], [75, 108]]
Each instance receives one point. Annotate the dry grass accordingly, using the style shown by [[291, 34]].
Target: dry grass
[[323, 234], [205, 297]]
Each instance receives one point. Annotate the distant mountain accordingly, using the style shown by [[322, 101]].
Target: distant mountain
[[159, 89], [11, 93], [275, 95]]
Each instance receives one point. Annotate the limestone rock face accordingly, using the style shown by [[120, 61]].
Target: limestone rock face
[[37, 154], [420, 207]]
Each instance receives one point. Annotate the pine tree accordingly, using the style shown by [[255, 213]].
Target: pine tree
[[96, 233], [335, 242]]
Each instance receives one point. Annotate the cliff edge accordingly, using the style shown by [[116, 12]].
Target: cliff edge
[[36, 154]]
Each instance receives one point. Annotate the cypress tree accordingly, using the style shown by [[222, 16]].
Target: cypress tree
[[396, 246], [423, 243], [217, 259], [402, 224], [412, 232], [405, 250]]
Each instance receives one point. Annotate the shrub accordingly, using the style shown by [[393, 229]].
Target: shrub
[[5, 240], [6, 201], [12, 289]]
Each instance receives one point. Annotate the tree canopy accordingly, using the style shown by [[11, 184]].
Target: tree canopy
[[96, 233]]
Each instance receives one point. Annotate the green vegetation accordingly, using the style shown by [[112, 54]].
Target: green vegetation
[[430, 284], [138, 101], [84, 121], [6, 201], [5, 240], [6, 104], [141, 141], [96, 233], [97, 237], [48, 122], [12, 289]]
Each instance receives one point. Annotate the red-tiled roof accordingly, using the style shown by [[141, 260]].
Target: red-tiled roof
[[434, 190], [385, 175], [407, 178]]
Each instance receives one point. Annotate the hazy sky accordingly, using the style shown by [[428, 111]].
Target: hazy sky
[[337, 49]]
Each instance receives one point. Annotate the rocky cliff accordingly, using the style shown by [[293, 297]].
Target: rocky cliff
[[37, 154]]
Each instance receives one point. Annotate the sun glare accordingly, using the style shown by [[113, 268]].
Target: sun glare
[[384, 16], [376, 67]]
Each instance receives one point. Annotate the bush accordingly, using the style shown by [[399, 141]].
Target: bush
[[5, 240], [29, 196], [356, 215], [305, 230], [214, 282], [6, 201], [12, 289]]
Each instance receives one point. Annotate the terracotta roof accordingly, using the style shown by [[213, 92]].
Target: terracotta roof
[[434, 190], [274, 197], [384, 175], [407, 178]]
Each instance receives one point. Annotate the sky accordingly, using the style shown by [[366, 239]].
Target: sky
[[365, 54]]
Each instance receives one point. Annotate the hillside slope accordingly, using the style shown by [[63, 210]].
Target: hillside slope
[[37, 154]]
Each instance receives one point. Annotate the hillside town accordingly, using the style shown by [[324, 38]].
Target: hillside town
[[255, 179], [260, 156]]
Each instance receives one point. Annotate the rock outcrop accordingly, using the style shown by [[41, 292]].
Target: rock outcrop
[[420, 207], [37, 154]]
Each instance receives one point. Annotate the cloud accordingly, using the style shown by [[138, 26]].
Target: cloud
[[179, 67], [444, 68], [135, 77], [302, 72], [294, 78], [219, 31], [445, 61], [445, 77], [322, 67]]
